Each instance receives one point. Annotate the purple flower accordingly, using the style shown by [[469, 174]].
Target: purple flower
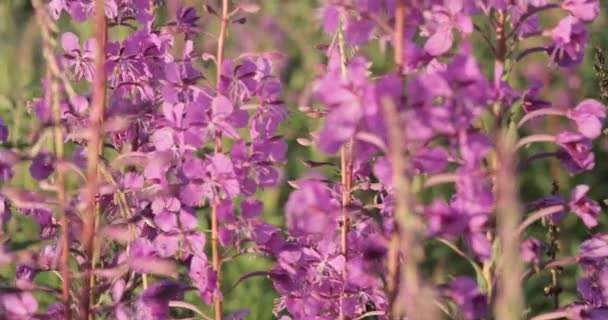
[[18, 305], [141, 248], [80, 10], [238, 315], [55, 312], [187, 20], [474, 146], [589, 117], [251, 208], [531, 101], [24, 277], [55, 8], [180, 85], [472, 303], [473, 193], [582, 311], [221, 110], [445, 221], [48, 257], [153, 303], [531, 250], [344, 105], [431, 160], [576, 153], [440, 24], [594, 288], [528, 26], [5, 213], [585, 10], [384, 172], [238, 82], [359, 31], [340, 124], [330, 17], [480, 245], [310, 210], [79, 60], [42, 165], [203, 277], [166, 245], [44, 219], [595, 248], [569, 42], [212, 179], [548, 202], [166, 221], [587, 209], [3, 131]]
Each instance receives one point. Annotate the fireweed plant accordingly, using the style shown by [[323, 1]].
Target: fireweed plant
[[169, 160], [149, 155], [355, 246]]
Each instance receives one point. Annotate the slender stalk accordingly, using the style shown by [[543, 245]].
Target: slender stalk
[[221, 40], [62, 198], [215, 249], [538, 113], [53, 97], [509, 303], [399, 34], [413, 298], [534, 138], [542, 213], [393, 250], [560, 314], [438, 179], [529, 51], [552, 236], [191, 307], [531, 12], [94, 149], [538, 156], [408, 294], [393, 266], [346, 169], [215, 246]]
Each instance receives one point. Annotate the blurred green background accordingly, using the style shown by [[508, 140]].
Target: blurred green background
[[290, 26]]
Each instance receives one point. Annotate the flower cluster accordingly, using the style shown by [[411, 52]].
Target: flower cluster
[[173, 145], [164, 174], [451, 117]]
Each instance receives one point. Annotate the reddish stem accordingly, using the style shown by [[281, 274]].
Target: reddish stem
[[94, 148], [393, 252], [215, 247], [399, 30], [62, 197], [346, 169], [509, 298], [221, 41], [52, 96]]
